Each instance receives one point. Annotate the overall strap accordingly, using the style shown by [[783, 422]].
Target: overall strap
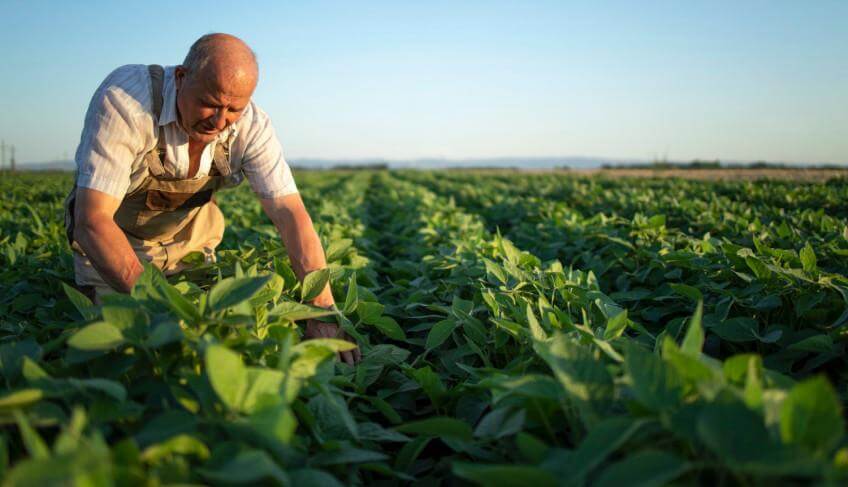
[[221, 157], [157, 82]]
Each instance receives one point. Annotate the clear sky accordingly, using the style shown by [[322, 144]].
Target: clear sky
[[735, 80]]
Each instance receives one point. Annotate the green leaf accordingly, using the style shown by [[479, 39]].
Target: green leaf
[[314, 283], [735, 368], [123, 317], [249, 466], [410, 452], [431, 383], [603, 439], [97, 336], [81, 302], [274, 419], [811, 416], [164, 333], [656, 221], [655, 383], [385, 409], [389, 327], [346, 456], [182, 444], [531, 448], [501, 422], [12, 354], [306, 365], [21, 398], [504, 475], [582, 375], [114, 389], [333, 417], [817, 343], [440, 332], [294, 311], [32, 441], [181, 306], [352, 295], [690, 292], [338, 249], [331, 344], [32, 371], [693, 342], [166, 425], [375, 432], [227, 374], [232, 291], [369, 312], [309, 477], [645, 468], [260, 382], [536, 330], [438, 426], [738, 436], [808, 258], [738, 330], [616, 325]]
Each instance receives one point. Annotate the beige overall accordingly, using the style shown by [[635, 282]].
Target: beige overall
[[164, 219]]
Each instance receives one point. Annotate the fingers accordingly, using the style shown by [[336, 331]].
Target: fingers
[[319, 329]]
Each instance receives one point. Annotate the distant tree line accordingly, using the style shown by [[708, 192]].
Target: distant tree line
[[697, 164]]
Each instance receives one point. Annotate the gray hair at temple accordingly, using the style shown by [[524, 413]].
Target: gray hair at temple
[[207, 47]]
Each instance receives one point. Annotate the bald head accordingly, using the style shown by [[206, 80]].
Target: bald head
[[214, 85], [224, 58]]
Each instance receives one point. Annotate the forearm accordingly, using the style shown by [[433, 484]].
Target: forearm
[[306, 255], [110, 253], [302, 243]]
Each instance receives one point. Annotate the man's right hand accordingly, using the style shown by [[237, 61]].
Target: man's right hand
[[103, 242]]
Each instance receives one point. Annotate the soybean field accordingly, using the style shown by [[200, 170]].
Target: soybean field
[[516, 329]]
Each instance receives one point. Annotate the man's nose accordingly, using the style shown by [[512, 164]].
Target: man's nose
[[220, 119]]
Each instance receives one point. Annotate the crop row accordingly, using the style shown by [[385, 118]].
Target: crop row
[[782, 303]]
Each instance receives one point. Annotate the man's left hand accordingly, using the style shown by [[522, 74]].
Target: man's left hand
[[320, 329]]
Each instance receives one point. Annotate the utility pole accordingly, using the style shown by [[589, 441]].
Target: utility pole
[[12, 160], [2, 154]]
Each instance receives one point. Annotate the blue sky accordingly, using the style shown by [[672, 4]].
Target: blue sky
[[348, 80]]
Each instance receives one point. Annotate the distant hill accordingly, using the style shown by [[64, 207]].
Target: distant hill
[[497, 162]]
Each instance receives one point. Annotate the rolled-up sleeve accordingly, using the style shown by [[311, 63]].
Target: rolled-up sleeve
[[114, 132], [263, 164]]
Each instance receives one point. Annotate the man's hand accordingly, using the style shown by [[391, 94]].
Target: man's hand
[[320, 329]]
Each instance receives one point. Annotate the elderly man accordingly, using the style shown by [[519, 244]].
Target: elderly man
[[156, 144]]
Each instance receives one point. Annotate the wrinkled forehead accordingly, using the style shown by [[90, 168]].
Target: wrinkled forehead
[[227, 79], [227, 82]]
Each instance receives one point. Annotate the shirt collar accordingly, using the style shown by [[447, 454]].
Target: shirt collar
[[169, 104]]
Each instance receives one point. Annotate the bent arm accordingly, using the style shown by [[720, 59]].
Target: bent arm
[[298, 234], [105, 244]]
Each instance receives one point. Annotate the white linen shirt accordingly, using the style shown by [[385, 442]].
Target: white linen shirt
[[119, 131]]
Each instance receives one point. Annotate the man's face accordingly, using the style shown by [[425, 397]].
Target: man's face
[[208, 104]]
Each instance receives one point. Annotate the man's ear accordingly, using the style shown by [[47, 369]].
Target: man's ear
[[179, 75]]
